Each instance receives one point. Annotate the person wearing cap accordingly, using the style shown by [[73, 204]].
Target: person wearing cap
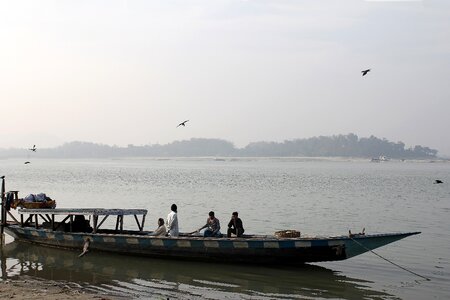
[[235, 225]]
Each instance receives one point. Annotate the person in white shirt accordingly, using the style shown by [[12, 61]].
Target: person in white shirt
[[161, 230], [172, 221]]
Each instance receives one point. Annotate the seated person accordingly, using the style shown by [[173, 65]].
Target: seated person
[[235, 225], [212, 225], [161, 230], [80, 224]]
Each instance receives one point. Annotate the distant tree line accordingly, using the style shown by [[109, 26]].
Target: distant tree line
[[339, 145], [327, 146]]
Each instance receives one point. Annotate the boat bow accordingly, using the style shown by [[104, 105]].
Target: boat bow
[[360, 244]]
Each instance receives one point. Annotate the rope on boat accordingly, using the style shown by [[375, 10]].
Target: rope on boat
[[389, 261]]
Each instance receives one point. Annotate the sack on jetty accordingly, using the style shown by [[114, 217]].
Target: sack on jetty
[[287, 234]]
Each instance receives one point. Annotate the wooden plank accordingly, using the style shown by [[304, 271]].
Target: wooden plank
[[83, 211], [117, 223], [48, 218], [137, 221], [104, 218], [45, 219], [11, 215], [143, 220]]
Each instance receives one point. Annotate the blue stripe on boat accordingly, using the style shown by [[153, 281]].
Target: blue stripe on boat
[[169, 243], [197, 244], [287, 244], [121, 241], [225, 244], [319, 243], [144, 243], [255, 244]]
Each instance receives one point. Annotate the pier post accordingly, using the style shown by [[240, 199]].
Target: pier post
[[3, 211]]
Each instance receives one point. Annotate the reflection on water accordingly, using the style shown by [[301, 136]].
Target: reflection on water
[[144, 277]]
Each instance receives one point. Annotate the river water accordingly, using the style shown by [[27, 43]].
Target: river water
[[314, 196]]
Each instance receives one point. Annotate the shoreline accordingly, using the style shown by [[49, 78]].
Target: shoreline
[[32, 288]]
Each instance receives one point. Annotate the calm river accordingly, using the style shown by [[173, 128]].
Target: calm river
[[316, 197]]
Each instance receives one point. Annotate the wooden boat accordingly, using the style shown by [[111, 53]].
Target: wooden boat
[[74, 230]]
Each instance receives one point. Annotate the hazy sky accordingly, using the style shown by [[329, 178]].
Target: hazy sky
[[127, 72]]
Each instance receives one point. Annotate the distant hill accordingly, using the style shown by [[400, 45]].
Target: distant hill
[[349, 145]]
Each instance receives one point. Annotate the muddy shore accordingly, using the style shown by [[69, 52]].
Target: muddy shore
[[31, 288]]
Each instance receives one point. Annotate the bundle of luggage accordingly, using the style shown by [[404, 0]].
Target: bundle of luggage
[[34, 201], [41, 197]]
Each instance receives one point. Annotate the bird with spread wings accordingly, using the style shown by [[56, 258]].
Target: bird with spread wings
[[364, 72], [182, 123]]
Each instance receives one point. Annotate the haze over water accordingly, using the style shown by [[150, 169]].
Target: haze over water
[[125, 72], [317, 197]]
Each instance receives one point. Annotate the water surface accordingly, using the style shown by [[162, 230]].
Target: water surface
[[317, 197]]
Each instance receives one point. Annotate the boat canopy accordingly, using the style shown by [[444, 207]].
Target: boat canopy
[[48, 215], [83, 211]]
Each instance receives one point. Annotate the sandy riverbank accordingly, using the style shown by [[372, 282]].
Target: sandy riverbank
[[31, 288]]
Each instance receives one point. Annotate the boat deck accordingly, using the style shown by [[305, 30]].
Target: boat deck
[[83, 211]]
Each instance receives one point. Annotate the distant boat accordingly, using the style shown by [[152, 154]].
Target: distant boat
[[379, 158]]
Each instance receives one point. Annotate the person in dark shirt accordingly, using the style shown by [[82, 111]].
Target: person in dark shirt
[[235, 225]]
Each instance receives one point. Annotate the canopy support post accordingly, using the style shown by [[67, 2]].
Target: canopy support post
[[95, 223], [3, 215]]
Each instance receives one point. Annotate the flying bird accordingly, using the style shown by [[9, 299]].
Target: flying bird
[[182, 123], [437, 181], [33, 149], [364, 72], [27, 162]]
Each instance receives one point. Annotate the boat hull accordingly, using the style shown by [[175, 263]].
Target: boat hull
[[265, 250]]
